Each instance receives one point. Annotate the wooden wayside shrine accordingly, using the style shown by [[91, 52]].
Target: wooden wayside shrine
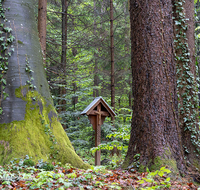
[[97, 111]]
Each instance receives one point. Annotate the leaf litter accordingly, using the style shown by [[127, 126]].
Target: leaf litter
[[19, 176]]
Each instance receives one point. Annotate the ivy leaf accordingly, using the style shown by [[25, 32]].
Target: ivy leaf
[[7, 29], [5, 95], [10, 39], [4, 81], [177, 22], [1, 39]]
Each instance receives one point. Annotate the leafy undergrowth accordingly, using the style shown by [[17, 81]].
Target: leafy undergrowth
[[25, 174]]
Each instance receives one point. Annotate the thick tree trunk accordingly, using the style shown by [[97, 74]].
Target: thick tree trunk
[[29, 124], [42, 18], [186, 79], [155, 131]]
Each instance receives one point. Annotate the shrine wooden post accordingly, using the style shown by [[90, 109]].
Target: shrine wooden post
[[97, 111]]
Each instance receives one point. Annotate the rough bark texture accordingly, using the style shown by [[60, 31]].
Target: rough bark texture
[[186, 80], [155, 133], [42, 17], [130, 93], [29, 124], [189, 12]]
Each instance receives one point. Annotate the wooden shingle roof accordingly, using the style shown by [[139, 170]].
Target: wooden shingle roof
[[94, 104]]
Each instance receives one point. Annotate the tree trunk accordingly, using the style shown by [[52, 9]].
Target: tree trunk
[[62, 101], [29, 124], [155, 131], [112, 57], [130, 93], [96, 78], [186, 79], [114, 151], [42, 18]]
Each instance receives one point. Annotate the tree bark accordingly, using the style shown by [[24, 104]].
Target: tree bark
[[62, 101], [42, 18], [130, 93], [186, 79], [29, 124], [155, 132]]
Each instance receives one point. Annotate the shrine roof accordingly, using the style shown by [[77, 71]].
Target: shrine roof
[[94, 103]]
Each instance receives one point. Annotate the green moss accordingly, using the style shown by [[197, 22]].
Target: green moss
[[47, 167], [160, 162], [141, 168], [126, 163], [156, 164], [29, 162], [20, 42], [196, 164], [165, 160], [28, 137]]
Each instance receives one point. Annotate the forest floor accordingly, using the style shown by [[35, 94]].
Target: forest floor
[[24, 174]]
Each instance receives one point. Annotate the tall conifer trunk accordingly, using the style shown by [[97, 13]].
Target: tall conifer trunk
[[42, 17], [155, 133], [62, 101], [187, 79]]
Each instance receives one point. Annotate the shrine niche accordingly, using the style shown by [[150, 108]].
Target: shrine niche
[[97, 111]]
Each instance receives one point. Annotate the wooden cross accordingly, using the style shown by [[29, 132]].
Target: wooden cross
[[98, 112], [99, 118], [98, 135], [96, 115]]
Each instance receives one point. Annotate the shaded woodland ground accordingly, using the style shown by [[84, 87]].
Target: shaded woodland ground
[[25, 174]]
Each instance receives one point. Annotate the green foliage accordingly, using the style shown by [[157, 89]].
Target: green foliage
[[150, 179], [187, 87], [116, 136], [6, 39], [135, 163], [29, 72], [78, 79], [51, 136], [29, 162], [45, 165], [98, 177], [121, 139]]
